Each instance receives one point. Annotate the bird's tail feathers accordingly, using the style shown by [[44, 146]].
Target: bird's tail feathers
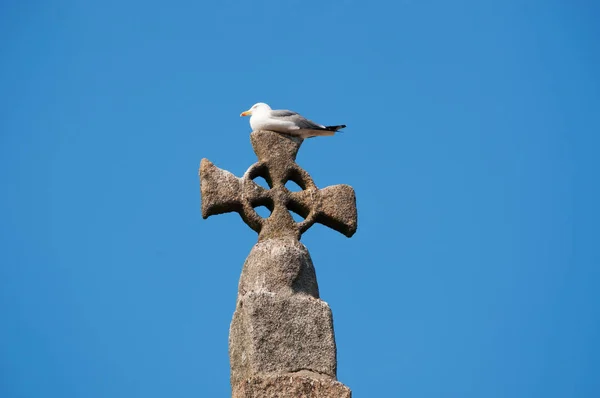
[[322, 132], [335, 128], [314, 133]]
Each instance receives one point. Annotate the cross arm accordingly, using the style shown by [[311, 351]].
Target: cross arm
[[334, 207], [338, 209], [220, 190]]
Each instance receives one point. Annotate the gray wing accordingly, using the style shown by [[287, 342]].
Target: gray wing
[[298, 120]]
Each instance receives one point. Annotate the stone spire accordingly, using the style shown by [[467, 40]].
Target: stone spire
[[281, 340]]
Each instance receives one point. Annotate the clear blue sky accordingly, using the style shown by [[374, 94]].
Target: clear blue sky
[[472, 145]]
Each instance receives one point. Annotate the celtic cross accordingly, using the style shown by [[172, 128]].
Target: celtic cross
[[222, 192], [281, 340]]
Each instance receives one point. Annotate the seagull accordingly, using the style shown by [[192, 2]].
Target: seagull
[[262, 117]]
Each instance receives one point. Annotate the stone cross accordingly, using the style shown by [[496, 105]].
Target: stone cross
[[281, 340]]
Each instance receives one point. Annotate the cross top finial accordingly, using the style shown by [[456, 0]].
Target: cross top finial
[[222, 192]]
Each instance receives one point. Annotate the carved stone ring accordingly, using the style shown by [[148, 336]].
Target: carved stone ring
[[222, 192]]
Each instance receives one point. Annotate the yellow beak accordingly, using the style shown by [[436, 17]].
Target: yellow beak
[[246, 113]]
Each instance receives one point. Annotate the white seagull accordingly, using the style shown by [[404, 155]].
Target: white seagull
[[262, 117]]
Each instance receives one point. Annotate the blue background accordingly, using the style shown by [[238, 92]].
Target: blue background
[[472, 145]]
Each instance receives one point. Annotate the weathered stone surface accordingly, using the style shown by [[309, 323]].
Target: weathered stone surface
[[280, 266], [276, 334], [281, 340], [222, 192], [290, 386]]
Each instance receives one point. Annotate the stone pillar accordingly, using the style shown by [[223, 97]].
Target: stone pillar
[[281, 340]]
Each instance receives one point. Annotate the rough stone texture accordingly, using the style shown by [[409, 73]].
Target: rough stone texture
[[222, 192], [291, 386], [279, 325], [279, 266], [281, 340], [274, 334]]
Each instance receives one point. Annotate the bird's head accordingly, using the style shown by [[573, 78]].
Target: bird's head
[[259, 107]]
